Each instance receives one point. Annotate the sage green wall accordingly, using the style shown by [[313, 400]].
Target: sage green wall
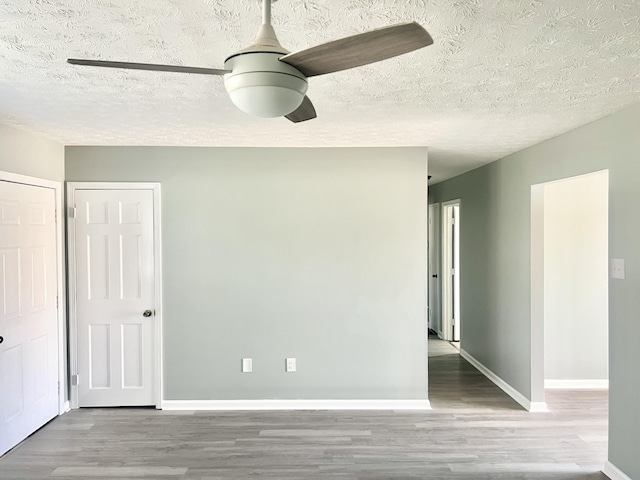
[[29, 154], [495, 261], [318, 254]]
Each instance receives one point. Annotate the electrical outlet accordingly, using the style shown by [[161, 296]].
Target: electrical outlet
[[290, 364], [617, 268], [247, 365]]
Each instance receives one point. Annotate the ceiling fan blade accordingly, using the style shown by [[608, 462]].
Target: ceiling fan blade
[[304, 112], [361, 49], [148, 66]]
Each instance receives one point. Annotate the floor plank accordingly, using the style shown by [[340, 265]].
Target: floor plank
[[474, 431]]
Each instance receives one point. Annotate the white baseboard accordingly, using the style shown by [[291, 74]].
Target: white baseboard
[[229, 405], [537, 407], [530, 406], [594, 384], [63, 408], [614, 473]]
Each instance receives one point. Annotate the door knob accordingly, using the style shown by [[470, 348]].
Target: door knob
[[1, 339], [147, 313]]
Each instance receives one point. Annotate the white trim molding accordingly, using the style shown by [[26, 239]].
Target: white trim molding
[[533, 407], [448, 323], [231, 405], [614, 473], [593, 384]]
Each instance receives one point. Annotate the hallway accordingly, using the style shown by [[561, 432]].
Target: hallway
[[474, 432], [455, 384]]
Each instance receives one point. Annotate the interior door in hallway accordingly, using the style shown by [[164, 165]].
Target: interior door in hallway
[[28, 311], [114, 306], [451, 320]]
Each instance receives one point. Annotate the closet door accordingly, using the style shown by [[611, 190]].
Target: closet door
[[28, 311]]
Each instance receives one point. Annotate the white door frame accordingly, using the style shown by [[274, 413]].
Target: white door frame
[[448, 263], [63, 403], [157, 258]]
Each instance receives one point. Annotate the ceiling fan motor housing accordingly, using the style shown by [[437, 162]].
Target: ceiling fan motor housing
[[261, 85]]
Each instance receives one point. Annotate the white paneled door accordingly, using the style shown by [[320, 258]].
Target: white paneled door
[[114, 268], [28, 311]]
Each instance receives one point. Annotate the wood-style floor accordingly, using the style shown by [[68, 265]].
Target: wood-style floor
[[474, 432]]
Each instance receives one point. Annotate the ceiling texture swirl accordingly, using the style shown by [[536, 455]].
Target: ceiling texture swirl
[[501, 75]]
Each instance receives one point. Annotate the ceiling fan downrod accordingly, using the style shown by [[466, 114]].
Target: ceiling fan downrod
[[266, 40], [266, 12]]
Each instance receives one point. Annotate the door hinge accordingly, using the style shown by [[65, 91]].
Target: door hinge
[[57, 301], [75, 380], [72, 212]]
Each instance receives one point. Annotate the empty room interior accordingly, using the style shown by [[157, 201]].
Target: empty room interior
[[319, 239]]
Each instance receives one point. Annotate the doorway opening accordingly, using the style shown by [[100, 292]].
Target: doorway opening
[[435, 315], [569, 284], [451, 321]]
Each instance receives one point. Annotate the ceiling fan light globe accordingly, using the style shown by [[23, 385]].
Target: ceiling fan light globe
[[263, 86], [267, 101]]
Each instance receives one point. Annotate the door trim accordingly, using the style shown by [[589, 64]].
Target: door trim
[[157, 258], [63, 403], [446, 308]]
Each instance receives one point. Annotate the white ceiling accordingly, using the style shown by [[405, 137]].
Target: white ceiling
[[501, 75]]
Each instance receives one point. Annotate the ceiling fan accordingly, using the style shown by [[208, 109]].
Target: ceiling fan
[[266, 80]]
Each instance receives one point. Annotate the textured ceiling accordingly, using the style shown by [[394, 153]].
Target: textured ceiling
[[501, 75]]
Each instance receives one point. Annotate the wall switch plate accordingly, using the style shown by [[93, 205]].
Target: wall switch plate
[[247, 365], [617, 268], [290, 364]]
